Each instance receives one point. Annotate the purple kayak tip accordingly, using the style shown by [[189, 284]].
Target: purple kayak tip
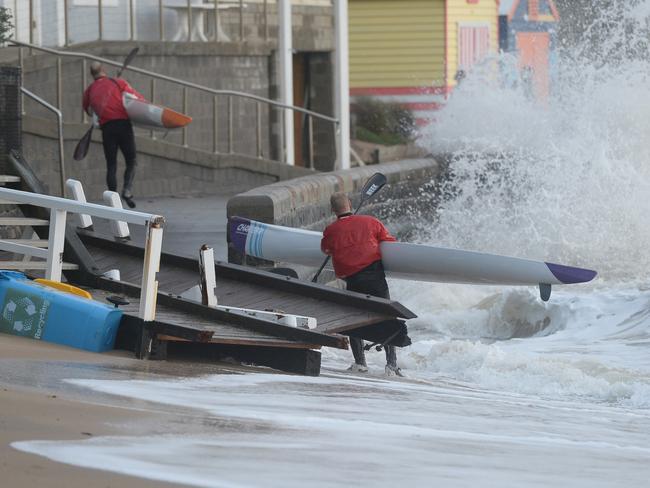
[[569, 275]]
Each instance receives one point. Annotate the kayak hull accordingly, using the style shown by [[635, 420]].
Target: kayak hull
[[150, 116], [403, 260]]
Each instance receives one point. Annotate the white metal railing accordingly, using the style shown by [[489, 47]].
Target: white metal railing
[[59, 207], [185, 86]]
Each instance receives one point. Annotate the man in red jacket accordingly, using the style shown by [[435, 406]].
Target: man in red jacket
[[353, 242], [104, 98]]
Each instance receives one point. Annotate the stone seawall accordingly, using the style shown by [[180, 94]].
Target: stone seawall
[[304, 202]]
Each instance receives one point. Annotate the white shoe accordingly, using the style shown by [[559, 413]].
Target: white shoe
[[358, 368], [393, 371]]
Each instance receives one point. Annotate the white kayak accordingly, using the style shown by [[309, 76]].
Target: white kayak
[[150, 116], [404, 260]]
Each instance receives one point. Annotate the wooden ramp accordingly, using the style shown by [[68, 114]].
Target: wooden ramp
[[335, 310]]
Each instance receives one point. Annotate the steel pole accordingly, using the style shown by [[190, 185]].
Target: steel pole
[[342, 85], [285, 49]]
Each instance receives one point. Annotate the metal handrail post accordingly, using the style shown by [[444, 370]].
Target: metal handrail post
[[66, 23], [59, 116], [266, 20], [282, 152], [131, 21], [215, 125], [21, 63], [161, 20], [230, 127], [16, 24], [59, 83], [189, 20], [100, 18], [84, 82], [216, 20], [241, 20], [258, 115], [31, 22], [310, 129], [153, 100], [185, 111]]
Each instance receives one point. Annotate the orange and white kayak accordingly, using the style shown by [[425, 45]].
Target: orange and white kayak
[[150, 116]]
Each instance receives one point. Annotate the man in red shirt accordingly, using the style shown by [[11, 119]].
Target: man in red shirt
[[353, 242], [104, 98]]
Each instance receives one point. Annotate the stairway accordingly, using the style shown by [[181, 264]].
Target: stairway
[[20, 262]]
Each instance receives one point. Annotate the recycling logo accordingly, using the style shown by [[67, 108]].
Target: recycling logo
[[23, 314]]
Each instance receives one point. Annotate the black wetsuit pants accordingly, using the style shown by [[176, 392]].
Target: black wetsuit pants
[[371, 280], [119, 134]]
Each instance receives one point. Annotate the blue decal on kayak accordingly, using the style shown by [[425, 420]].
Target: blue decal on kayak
[[239, 229], [260, 240], [569, 275]]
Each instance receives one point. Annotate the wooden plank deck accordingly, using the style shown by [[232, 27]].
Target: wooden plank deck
[[222, 332], [176, 278]]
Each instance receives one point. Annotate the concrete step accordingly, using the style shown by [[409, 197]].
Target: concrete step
[[28, 242], [22, 265], [23, 221]]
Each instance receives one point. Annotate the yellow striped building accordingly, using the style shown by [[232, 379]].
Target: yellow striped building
[[410, 50]]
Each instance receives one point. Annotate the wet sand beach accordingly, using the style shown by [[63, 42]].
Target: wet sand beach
[[35, 404]]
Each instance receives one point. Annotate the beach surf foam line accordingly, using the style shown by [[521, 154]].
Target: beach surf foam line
[[407, 261]]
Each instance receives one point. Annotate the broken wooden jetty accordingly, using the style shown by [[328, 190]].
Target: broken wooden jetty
[[182, 327]]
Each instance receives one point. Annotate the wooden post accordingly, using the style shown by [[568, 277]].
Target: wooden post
[[208, 278], [55, 245], [149, 293], [120, 229]]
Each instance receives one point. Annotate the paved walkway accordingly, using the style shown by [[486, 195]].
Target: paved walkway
[[190, 223]]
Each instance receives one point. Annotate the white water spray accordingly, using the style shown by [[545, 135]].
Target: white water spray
[[564, 180]]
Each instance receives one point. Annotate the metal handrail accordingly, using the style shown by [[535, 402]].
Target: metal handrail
[[60, 207], [73, 206], [187, 84], [59, 116]]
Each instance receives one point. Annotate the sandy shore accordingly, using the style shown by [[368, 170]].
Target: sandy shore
[[36, 405]]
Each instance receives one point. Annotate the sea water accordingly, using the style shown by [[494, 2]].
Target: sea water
[[503, 389]]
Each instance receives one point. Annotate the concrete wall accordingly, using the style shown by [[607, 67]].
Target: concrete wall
[[243, 67], [163, 169], [304, 202]]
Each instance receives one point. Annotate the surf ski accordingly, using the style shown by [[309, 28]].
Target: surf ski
[[402, 260]]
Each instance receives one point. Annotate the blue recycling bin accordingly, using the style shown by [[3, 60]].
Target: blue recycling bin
[[29, 309]]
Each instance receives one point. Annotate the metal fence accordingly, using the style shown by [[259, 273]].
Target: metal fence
[[187, 88]]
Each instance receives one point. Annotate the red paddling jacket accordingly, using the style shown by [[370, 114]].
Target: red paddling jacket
[[353, 242], [104, 96]]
